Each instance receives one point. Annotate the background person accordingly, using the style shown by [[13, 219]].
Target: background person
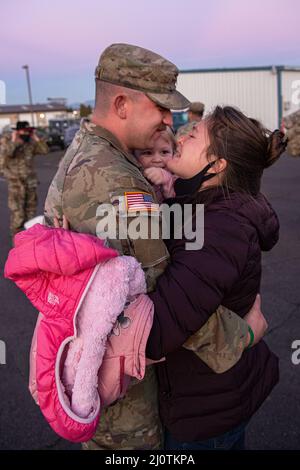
[[196, 111], [195, 114], [18, 169]]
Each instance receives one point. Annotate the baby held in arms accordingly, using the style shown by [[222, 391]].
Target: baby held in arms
[[154, 162]]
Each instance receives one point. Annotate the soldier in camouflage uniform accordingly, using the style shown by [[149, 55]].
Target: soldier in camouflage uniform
[[291, 123], [195, 114], [135, 89], [17, 156]]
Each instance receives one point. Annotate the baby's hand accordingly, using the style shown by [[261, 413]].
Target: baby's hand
[[155, 175]]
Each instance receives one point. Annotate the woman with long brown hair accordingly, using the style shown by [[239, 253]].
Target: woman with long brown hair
[[220, 165]]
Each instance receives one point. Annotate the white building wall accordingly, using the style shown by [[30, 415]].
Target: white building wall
[[4, 122], [254, 92], [2, 92], [290, 91]]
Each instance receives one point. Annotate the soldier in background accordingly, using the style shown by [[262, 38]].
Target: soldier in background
[[291, 123], [196, 111], [17, 157], [135, 90], [195, 114]]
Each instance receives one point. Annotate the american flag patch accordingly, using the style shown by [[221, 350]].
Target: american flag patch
[[138, 201]]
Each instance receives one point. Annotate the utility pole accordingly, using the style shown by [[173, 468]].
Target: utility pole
[[26, 68]]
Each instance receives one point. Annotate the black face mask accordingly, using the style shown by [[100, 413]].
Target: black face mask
[[185, 187], [25, 138]]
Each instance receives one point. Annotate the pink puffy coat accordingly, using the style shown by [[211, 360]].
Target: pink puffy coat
[[80, 288]]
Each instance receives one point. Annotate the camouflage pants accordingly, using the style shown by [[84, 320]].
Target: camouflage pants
[[133, 422], [22, 202]]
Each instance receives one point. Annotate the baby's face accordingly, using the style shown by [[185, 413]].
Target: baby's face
[[158, 155]]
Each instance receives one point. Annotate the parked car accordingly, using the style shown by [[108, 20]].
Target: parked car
[[70, 133], [62, 124], [56, 138]]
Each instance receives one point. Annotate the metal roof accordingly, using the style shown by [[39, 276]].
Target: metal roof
[[36, 108], [245, 69]]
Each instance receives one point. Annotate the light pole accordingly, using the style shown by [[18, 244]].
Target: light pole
[[26, 68]]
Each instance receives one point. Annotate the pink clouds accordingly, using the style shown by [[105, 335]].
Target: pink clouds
[[259, 29], [63, 38], [256, 23]]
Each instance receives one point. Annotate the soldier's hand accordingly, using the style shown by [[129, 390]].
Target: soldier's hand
[[256, 321], [65, 224], [14, 136], [35, 137]]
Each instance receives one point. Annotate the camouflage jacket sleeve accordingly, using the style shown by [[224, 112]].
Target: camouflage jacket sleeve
[[7, 148], [2, 154], [221, 341]]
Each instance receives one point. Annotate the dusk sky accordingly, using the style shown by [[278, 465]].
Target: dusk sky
[[61, 40]]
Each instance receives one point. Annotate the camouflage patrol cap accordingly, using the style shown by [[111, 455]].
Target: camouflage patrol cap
[[196, 107], [140, 69]]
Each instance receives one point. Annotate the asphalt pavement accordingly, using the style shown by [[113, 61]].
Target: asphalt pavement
[[275, 426]]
